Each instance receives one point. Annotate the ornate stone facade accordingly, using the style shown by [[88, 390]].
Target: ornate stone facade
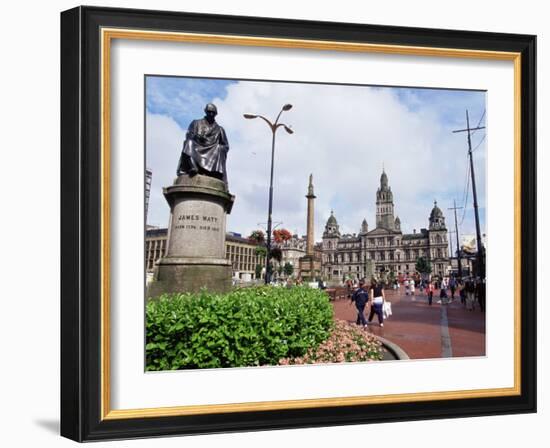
[[292, 250], [385, 248]]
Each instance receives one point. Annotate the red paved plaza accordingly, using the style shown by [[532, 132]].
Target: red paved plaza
[[425, 331]]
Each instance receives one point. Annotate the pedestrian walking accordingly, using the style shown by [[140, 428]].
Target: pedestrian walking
[[443, 293], [378, 300], [462, 293], [452, 286], [430, 291], [361, 298], [470, 290], [411, 287], [406, 283]]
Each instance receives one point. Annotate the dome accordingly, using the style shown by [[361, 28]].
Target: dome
[[331, 228], [332, 220], [436, 212], [397, 220]]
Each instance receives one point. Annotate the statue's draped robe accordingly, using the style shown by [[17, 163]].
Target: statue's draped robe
[[204, 150]]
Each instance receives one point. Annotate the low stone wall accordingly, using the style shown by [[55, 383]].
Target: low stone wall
[[392, 351]]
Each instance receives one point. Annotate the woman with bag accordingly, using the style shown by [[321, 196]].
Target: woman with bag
[[378, 300], [443, 293], [430, 291]]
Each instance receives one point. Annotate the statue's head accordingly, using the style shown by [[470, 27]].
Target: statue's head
[[211, 111]]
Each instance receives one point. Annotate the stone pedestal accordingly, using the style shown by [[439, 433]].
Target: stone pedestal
[[310, 268], [195, 256]]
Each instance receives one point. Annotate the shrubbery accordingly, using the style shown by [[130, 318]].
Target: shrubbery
[[246, 327]]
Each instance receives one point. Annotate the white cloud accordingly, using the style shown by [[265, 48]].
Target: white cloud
[[343, 135], [164, 141]]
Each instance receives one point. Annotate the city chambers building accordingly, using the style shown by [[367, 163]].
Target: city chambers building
[[385, 248]]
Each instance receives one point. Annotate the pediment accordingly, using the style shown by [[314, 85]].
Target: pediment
[[380, 231]]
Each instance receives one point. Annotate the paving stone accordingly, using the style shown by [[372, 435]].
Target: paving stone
[[417, 327]]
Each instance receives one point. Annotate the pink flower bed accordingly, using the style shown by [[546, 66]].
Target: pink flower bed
[[346, 343]]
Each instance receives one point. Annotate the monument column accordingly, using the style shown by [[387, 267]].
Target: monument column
[[310, 223], [310, 269]]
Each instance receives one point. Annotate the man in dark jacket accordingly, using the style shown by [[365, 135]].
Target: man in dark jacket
[[361, 298]]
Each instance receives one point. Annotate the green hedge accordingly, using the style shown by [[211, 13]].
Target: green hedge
[[246, 327]]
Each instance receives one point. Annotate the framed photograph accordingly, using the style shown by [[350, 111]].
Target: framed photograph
[[275, 223]]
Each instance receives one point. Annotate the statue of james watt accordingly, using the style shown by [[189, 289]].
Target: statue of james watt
[[205, 147]]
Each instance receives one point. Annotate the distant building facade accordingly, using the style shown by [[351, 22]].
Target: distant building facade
[[156, 240], [239, 250], [292, 250], [148, 180], [385, 248], [242, 254]]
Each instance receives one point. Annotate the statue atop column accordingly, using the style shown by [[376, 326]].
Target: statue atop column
[[205, 147]]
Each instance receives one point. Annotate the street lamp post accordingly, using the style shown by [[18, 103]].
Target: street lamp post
[[273, 126]]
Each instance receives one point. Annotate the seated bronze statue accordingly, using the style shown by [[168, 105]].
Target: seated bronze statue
[[205, 147]]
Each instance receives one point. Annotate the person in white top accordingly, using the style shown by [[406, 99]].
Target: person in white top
[[378, 298]]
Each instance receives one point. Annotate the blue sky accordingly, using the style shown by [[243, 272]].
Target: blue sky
[[181, 98], [343, 136]]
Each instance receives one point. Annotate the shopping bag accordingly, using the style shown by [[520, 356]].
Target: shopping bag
[[386, 309]]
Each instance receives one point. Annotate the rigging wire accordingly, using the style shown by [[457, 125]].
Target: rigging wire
[[466, 197], [479, 122], [480, 142]]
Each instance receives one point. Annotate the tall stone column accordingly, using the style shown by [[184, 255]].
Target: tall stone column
[[310, 222], [310, 269]]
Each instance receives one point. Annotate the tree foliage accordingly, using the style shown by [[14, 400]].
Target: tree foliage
[[288, 269], [277, 254], [260, 251], [423, 266], [257, 237]]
